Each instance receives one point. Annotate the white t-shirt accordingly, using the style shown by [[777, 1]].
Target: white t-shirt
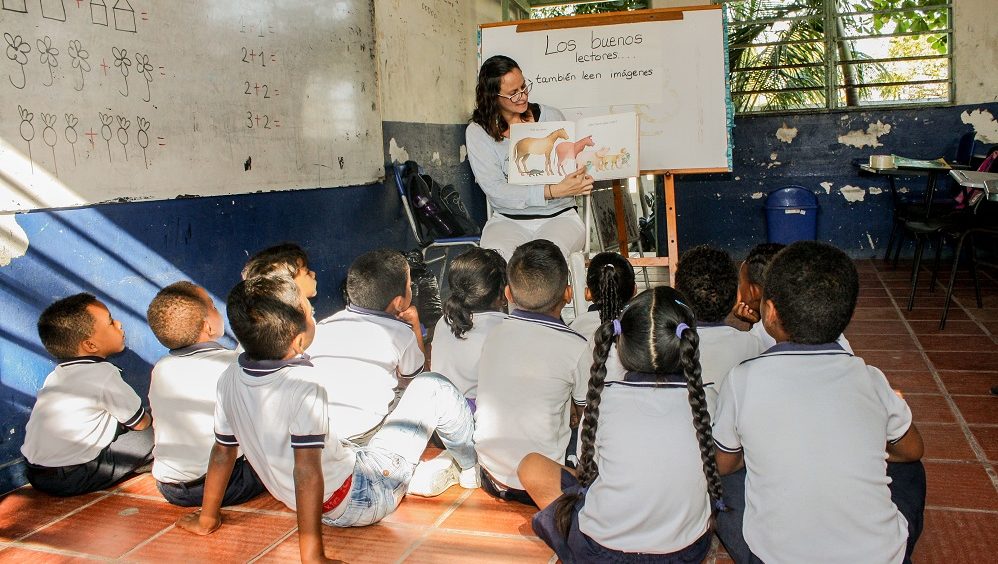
[[358, 354], [77, 412], [722, 348], [768, 342], [527, 380], [457, 359], [586, 324], [270, 408], [182, 399], [814, 422], [645, 426]]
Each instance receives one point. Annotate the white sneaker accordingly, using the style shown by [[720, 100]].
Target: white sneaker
[[433, 477], [469, 478]]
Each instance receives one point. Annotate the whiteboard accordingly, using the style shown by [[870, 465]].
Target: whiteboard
[[105, 100], [672, 72]]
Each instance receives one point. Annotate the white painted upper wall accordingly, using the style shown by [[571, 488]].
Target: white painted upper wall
[[427, 57], [975, 53]]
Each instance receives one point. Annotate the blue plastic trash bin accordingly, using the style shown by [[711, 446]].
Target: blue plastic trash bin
[[791, 215]]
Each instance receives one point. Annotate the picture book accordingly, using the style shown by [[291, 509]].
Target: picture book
[[546, 152]]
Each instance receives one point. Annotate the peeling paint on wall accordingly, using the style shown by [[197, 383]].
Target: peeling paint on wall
[[462, 153], [758, 195], [786, 134], [435, 159], [874, 191], [397, 154], [859, 139], [983, 123], [852, 193], [773, 156], [870, 239], [13, 239], [827, 186]]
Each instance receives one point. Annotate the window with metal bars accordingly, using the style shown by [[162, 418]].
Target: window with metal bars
[[787, 55]]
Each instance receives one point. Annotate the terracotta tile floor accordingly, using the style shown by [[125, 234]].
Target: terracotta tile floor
[[945, 376]]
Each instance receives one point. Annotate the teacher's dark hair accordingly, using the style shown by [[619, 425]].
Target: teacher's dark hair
[[486, 112]]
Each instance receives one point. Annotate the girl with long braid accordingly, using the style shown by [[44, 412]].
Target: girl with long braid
[[635, 499], [609, 284]]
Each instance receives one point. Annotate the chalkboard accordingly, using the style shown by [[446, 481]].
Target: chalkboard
[[668, 65], [105, 100]]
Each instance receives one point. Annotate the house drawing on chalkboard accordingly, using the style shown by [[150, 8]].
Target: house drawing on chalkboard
[[124, 16], [14, 6], [54, 10], [98, 12]]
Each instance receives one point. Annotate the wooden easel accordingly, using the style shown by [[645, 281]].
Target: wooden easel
[[671, 228]]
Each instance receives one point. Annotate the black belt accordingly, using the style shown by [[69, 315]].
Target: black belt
[[538, 216]]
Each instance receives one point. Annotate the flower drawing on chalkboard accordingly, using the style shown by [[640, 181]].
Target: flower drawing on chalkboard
[[143, 136], [122, 61], [79, 56], [71, 135], [47, 55], [105, 131], [123, 125], [144, 68], [17, 51], [50, 137], [27, 131]]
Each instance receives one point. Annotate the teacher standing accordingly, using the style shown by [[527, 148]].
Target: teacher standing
[[521, 213]]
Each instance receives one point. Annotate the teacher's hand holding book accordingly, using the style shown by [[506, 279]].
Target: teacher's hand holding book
[[576, 184]]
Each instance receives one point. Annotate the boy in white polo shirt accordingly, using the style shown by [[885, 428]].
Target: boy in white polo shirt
[[369, 351], [751, 277], [296, 453], [831, 453], [708, 280], [527, 379], [88, 429], [182, 396]]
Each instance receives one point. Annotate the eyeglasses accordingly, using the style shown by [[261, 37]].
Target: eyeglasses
[[519, 94]]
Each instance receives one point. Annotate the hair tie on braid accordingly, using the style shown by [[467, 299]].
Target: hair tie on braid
[[616, 327], [720, 505], [608, 266], [680, 328]]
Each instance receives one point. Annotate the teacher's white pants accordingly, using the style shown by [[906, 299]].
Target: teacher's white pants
[[505, 235]]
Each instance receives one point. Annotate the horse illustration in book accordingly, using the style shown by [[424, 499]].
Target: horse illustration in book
[[569, 150], [537, 146]]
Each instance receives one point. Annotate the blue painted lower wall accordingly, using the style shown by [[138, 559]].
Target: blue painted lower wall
[[726, 210], [125, 252]]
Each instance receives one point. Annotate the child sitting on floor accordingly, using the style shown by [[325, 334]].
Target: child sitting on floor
[[286, 258], [751, 277], [527, 379], [477, 281], [88, 429], [812, 425], [298, 457], [609, 284], [646, 472], [708, 280], [370, 350], [182, 396]]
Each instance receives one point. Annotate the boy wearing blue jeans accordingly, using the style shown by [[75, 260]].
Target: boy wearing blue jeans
[[302, 463], [829, 450]]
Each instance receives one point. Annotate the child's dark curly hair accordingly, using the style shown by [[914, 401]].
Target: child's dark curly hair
[[709, 280]]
